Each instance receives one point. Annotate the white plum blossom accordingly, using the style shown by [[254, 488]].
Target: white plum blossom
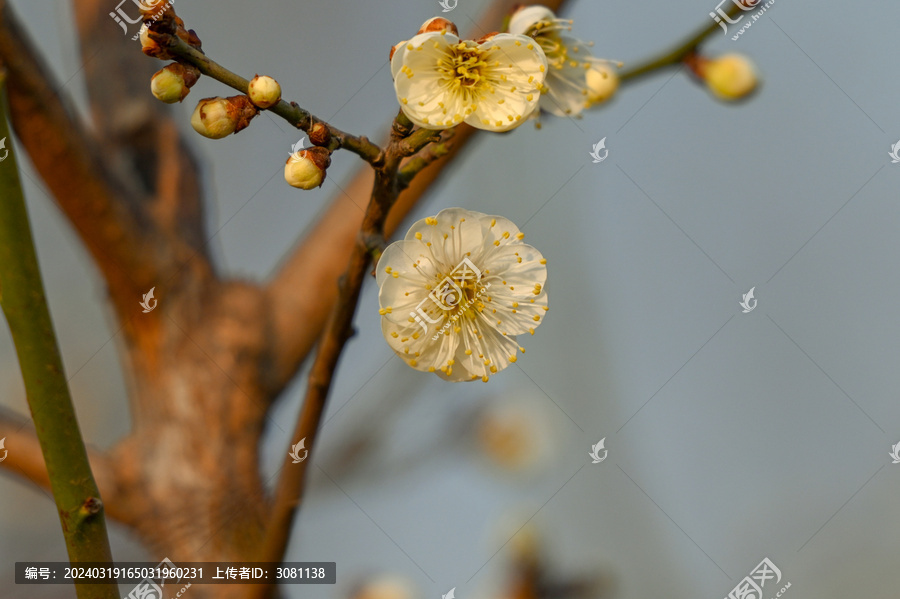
[[492, 84], [457, 290], [567, 90]]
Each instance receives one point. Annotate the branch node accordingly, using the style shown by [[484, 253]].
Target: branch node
[[91, 507]]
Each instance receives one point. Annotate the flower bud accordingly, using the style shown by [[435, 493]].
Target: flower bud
[[264, 91], [165, 22], [439, 24], [151, 48], [172, 83], [306, 169], [729, 77], [319, 134], [216, 118], [602, 82]]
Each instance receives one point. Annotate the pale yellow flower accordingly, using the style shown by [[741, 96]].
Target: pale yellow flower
[[568, 89], [456, 292], [491, 84]]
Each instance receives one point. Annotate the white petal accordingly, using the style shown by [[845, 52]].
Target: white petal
[[487, 344], [455, 234], [526, 18], [518, 77], [419, 85], [567, 95], [418, 349], [400, 257]]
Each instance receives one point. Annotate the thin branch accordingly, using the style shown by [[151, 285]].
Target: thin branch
[[25, 307], [338, 329], [425, 157], [677, 54], [289, 111], [24, 458]]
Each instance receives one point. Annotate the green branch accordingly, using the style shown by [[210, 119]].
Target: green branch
[[679, 52], [25, 307]]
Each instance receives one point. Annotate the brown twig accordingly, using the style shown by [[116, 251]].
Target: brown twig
[[426, 156], [289, 111], [385, 191]]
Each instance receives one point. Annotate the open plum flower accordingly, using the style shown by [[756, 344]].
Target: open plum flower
[[493, 83], [456, 291], [575, 78]]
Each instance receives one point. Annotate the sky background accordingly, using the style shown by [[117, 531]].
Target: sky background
[[732, 437]]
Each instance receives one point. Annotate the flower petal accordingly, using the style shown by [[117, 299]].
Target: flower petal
[[526, 18]]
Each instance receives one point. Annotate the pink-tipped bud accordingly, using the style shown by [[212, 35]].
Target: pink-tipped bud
[[264, 91], [306, 169]]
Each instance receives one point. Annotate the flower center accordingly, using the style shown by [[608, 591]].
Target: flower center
[[464, 70], [546, 34]]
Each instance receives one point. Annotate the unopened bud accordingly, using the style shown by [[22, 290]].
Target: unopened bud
[[602, 82], [439, 24], [729, 77], [216, 118], [172, 83], [264, 91], [151, 48], [165, 22], [306, 169], [319, 134]]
